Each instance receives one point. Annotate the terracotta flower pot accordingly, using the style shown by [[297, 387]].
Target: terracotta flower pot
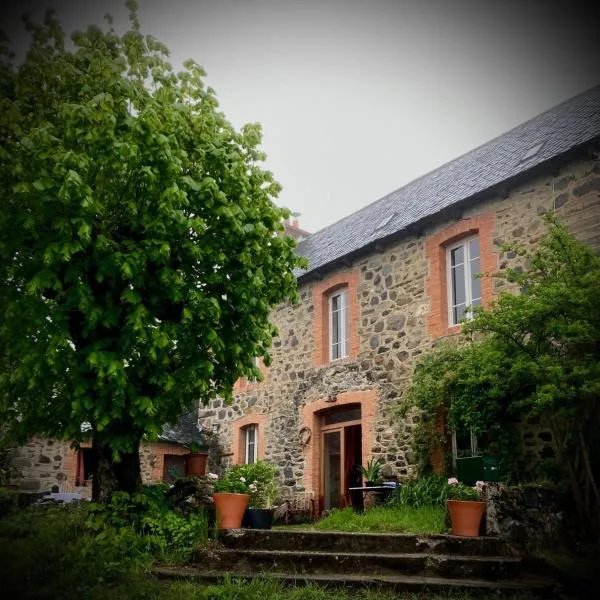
[[195, 464], [465, 516], [230, 509]]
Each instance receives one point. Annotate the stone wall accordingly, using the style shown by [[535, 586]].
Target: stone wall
[[42, 463], [394, 301], [529, 515]]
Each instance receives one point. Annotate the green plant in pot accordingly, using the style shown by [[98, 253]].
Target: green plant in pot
[[372, 472], [465, 507], [231, 495], [264, 492]]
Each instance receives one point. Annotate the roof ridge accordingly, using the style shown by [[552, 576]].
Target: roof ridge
[[449, 162]]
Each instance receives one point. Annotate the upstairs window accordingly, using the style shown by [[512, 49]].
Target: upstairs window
[[338, 324], [250, 444], [464, 287]]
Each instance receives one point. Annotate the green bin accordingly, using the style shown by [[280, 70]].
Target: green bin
[[491, 468], [469, 469], [477, 468]]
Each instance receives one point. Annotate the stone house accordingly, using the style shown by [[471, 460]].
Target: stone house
[[43, 463], [384, 284]]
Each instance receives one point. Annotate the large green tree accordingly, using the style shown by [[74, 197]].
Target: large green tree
[[140, 247], [534, 353]]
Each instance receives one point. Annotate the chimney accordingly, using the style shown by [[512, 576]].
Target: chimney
[[295, 222]]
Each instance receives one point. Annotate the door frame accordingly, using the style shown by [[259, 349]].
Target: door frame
[[325, 429]]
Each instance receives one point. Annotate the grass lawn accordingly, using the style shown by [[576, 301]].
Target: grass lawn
[[261, 589], [383, 519]]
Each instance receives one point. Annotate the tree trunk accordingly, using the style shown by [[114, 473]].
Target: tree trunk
[[111, 476]]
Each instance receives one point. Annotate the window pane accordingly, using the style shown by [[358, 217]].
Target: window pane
[[458, 285], [457, 256], [458, 313], [475, 289], [336, 351], [474, 248], [250, 433], [335, 328], [341, 414], [335, 303]]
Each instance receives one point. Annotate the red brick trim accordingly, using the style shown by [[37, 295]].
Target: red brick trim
[[158, 451], [320, 294], [437, 287], [243, 384], [237, 448], [311, 417]]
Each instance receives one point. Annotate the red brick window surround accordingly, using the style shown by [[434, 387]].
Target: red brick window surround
[[481, 226], [322, 293], [239, 428]]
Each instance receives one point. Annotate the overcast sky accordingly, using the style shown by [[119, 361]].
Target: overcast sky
[[359, 97]]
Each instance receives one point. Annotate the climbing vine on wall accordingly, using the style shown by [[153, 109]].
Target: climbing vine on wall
[[534, 352]]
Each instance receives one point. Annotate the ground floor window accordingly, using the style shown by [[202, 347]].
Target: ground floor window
[[250, 433], [174, 467]]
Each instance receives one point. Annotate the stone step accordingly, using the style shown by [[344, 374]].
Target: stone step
[[542, 587], [369, 564], [370, 543]]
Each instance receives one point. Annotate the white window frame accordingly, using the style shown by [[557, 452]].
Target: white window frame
[[474, 447], [343, 327], [464, 242], [250, 451]]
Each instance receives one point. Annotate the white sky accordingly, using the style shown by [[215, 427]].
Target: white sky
[[359, 97]]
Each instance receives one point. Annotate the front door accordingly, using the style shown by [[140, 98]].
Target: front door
[[341, 454]]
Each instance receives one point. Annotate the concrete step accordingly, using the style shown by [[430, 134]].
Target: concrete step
[[542, 587], [363, 563], [371, 543]]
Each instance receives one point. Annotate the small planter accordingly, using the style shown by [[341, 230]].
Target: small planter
[[230, 509], [195, 464], [260, 518], [466, 516]]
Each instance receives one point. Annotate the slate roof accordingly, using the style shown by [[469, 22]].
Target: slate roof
[[184, 432], [558, 130]]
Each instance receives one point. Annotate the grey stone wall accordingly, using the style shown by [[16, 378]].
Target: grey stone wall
[[392, 328]]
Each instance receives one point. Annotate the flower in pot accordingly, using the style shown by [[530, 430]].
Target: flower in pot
[[372, 472], [231, 496], [264, 493], [465, 507]]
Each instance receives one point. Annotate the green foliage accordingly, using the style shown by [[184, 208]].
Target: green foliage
[[425, 491], [534, 353], [387, 519], [50, 553], [372, 472], [262, 475], [256, 479], [460, 491], [140, 246], [164, 533], [8, 500]]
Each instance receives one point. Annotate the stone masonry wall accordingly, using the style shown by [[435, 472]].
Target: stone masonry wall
[[42, 463], [393, 308]]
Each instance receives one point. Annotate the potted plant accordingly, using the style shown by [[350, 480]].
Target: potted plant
[[231, 494], [195, 461], [465, 507], [264, 494], [372, 472]]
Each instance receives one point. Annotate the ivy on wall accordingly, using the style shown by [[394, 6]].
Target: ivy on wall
[[533, 353]]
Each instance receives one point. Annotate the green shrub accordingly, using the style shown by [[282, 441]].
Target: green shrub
[[51, 553], [426, 491], [162, 532], [8, 500]]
